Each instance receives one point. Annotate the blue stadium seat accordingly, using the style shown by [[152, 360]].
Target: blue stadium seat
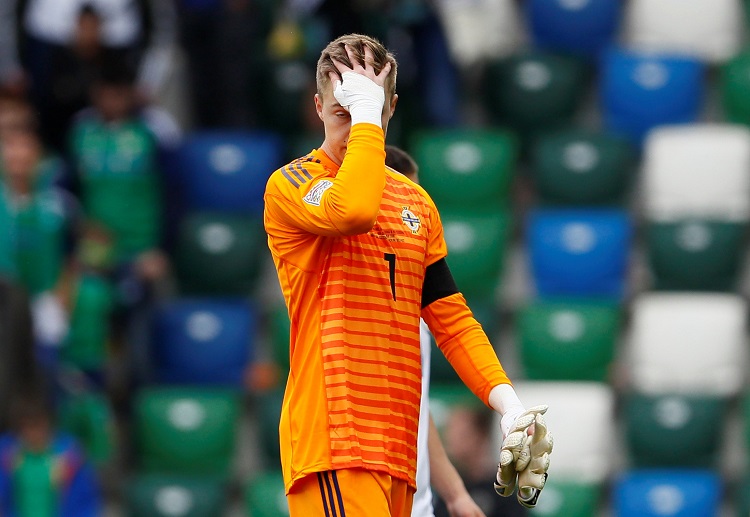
[[203, 341], [640, 91], [582, 27], [677, 493], [579, 253], [227, 170]]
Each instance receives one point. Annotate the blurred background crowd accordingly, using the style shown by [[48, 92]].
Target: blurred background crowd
[[591, 161]]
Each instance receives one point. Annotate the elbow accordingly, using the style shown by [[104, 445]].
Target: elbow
[[357, 222]]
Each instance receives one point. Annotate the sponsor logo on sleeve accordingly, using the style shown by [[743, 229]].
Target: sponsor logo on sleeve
[[315, 194]]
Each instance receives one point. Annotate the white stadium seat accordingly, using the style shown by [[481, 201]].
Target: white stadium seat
[[710, 30], [687, 343], [697, 170], [581, 419]]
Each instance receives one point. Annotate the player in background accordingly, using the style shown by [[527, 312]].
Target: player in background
[[434, 468], [360, 256]]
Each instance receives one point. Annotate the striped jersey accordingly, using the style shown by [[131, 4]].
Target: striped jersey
[[351, 244]]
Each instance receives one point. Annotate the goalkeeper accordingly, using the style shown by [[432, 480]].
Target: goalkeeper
[[360, 256]]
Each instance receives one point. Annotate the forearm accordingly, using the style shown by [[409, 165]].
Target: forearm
[[353, 201], [464, 343]]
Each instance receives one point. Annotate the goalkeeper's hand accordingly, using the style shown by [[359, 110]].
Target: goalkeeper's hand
[[524, 457], [360, 90]]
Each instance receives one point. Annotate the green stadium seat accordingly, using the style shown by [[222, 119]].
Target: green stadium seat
[[155, 495], [580, 167], [477, 244], [743, 497], [673, 430], [287, 93], [466, 167], [89, 417], [219, 254], [186, 430], [695, 254], [279, 333], [733, 86], [567, 498], [267, 410], [534, 91], [265, 497], [568, 340]]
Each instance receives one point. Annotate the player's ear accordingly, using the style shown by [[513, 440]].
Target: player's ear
[[394, 101], [319, 105]]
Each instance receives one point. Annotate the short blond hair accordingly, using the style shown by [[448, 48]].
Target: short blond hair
[[357, 42]]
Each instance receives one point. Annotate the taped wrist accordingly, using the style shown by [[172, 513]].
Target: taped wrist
[[362, 97]]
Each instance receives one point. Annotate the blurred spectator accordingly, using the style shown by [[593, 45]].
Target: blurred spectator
[[224, 41], [15, 113], [36, 225], [117, 150], [92, 303], [43, 473], [76, 31], [468, 442]]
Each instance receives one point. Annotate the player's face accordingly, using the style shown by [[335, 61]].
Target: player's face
[[337, 122]]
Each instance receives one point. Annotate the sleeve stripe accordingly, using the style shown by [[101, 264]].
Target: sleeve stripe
[[288, 177], [290, 168], [299, 166]]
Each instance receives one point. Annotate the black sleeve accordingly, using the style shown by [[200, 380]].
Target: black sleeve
[[438, 283]]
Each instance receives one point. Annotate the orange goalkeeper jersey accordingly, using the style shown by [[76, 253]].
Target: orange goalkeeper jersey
[[351, 245]]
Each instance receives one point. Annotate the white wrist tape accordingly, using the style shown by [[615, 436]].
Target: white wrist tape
[[504, 400], [362, 97]]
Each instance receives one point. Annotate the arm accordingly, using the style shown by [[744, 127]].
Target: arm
[[156, 60], [446, 481]]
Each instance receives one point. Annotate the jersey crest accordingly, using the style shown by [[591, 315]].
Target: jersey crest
[[410, 220]]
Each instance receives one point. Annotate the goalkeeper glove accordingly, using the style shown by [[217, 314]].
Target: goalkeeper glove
[[524, 459], [361, 96]]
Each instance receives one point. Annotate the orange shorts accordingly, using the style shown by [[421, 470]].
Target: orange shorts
[[350, 493]]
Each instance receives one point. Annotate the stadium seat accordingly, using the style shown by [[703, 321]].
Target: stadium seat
[[673, 430], [287, 93], [265, 497], [734, 82], [460, 168], [641, 91], [710, 30], [743, 496], [687, 343], [155, 495], [581, 167], [697, 170], [226, 171], [534, 91], [581, 27], [568, 499], [219, 254], [267, 409], [660, 492], [695, 254], [579, 253], [568, 340], [186, 430], [280, 335], [581, 458], [477, 242], [203, 341]]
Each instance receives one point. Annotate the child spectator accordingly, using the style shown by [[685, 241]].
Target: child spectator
[[43, 473], [36, 223]]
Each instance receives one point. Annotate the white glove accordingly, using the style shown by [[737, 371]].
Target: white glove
[[524, 459], [362, 97], [50, 319], [533, 463]]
